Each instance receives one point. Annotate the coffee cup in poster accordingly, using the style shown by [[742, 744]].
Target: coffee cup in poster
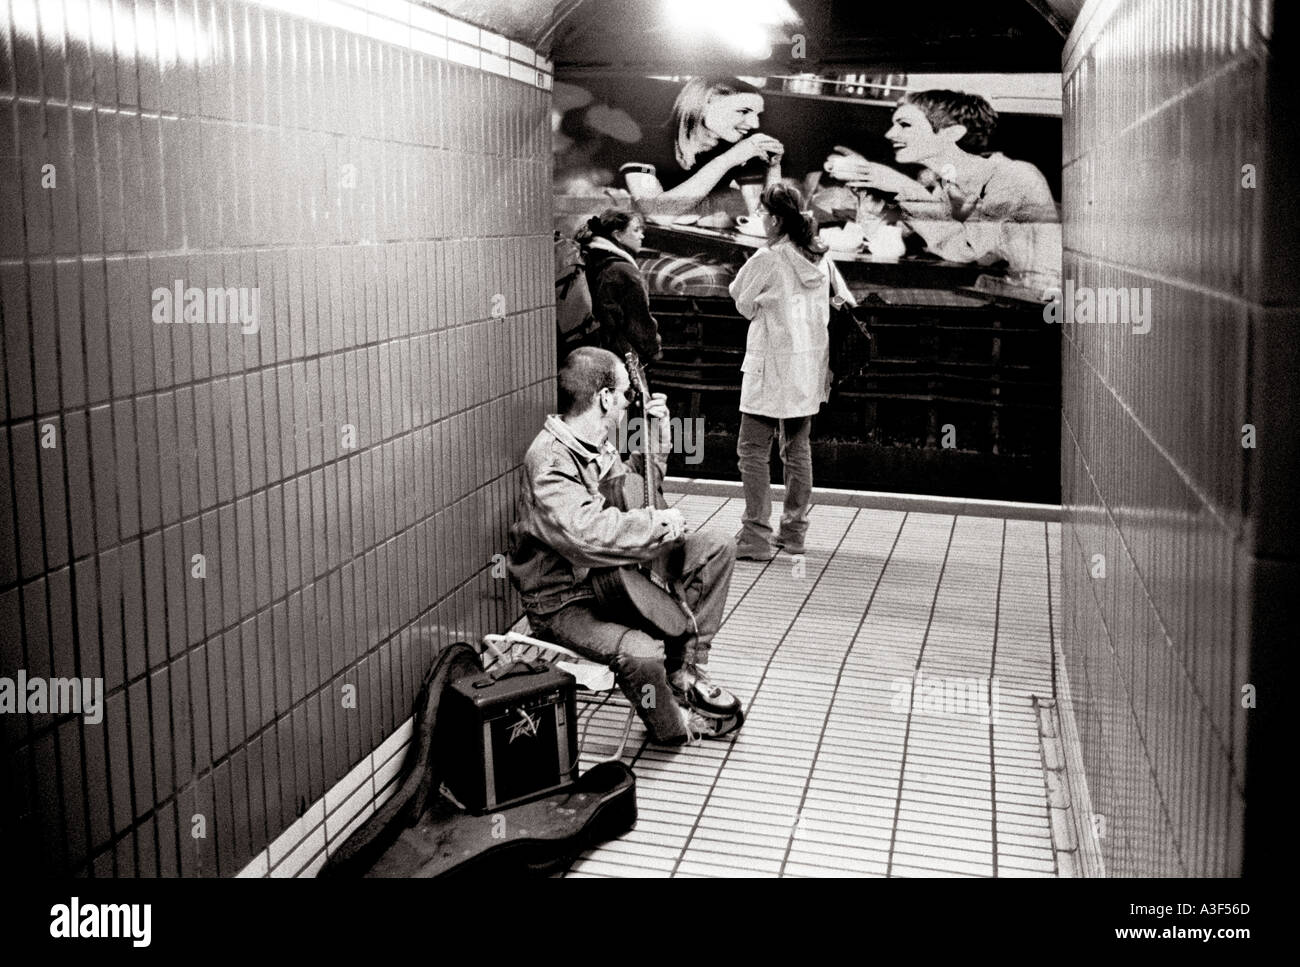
[[751, 189], [640, 179], [886, 241], [846, 239]]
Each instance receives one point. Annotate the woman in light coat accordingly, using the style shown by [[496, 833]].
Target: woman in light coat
[[785, 291]]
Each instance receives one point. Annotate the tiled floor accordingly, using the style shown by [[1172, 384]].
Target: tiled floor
[[831, 775]]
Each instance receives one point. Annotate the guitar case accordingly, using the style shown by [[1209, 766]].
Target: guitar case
[[419, 833]]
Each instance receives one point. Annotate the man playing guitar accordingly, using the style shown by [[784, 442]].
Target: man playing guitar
[[577, 513]]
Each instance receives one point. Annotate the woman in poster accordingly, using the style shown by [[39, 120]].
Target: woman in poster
[[968, 206], [785, 291], [717, 151]]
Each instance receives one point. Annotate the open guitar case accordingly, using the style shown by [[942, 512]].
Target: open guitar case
[[420, 833]]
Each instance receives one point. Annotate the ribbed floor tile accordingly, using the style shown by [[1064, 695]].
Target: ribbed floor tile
[[836, 772]]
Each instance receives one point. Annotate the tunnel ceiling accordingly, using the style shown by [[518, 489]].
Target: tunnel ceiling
[[642, 36], [527, 21]]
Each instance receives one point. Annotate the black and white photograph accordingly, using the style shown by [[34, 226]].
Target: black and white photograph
[[506, 441]]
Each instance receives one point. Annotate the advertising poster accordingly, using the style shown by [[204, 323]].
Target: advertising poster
[[936, 196]]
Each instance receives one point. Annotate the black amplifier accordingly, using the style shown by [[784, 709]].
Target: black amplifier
[[509, 738]]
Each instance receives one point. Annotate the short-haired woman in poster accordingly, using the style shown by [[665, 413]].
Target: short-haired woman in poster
[[969, 205]]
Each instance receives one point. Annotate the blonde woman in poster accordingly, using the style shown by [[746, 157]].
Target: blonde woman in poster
[[718, 151]]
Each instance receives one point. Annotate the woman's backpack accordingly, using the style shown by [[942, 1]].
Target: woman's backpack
[[574, 323]]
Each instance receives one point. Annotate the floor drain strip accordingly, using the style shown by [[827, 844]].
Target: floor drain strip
[[1060, 809]]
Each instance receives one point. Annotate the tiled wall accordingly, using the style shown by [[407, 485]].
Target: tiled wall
[[1165, 102], [382, 183]]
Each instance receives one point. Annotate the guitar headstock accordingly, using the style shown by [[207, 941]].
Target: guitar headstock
[[636, 375]]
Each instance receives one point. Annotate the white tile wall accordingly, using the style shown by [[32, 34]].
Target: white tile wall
[[304, 847], [386, 771], [407, 23]]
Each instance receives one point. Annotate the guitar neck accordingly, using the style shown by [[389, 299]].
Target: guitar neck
[[636, 375], [648, 458]]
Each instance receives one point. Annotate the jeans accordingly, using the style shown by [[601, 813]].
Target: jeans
[[700, 567], [754, 448]]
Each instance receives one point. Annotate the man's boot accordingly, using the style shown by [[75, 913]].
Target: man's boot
[[691, 686]]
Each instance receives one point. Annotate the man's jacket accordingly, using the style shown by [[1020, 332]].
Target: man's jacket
[[570, 518]]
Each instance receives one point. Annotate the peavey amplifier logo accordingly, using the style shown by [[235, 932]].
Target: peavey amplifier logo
[[527, 725]]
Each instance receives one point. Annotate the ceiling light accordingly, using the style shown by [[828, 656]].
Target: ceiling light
[[746, 25]]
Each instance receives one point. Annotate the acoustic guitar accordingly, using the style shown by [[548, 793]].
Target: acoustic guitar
[[643, 589]]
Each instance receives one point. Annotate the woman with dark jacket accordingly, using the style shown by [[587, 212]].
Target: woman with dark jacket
[[619, 298]]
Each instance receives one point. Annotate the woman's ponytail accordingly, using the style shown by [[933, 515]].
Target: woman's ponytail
[[785, 203], [604, 225], [587, 230]]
